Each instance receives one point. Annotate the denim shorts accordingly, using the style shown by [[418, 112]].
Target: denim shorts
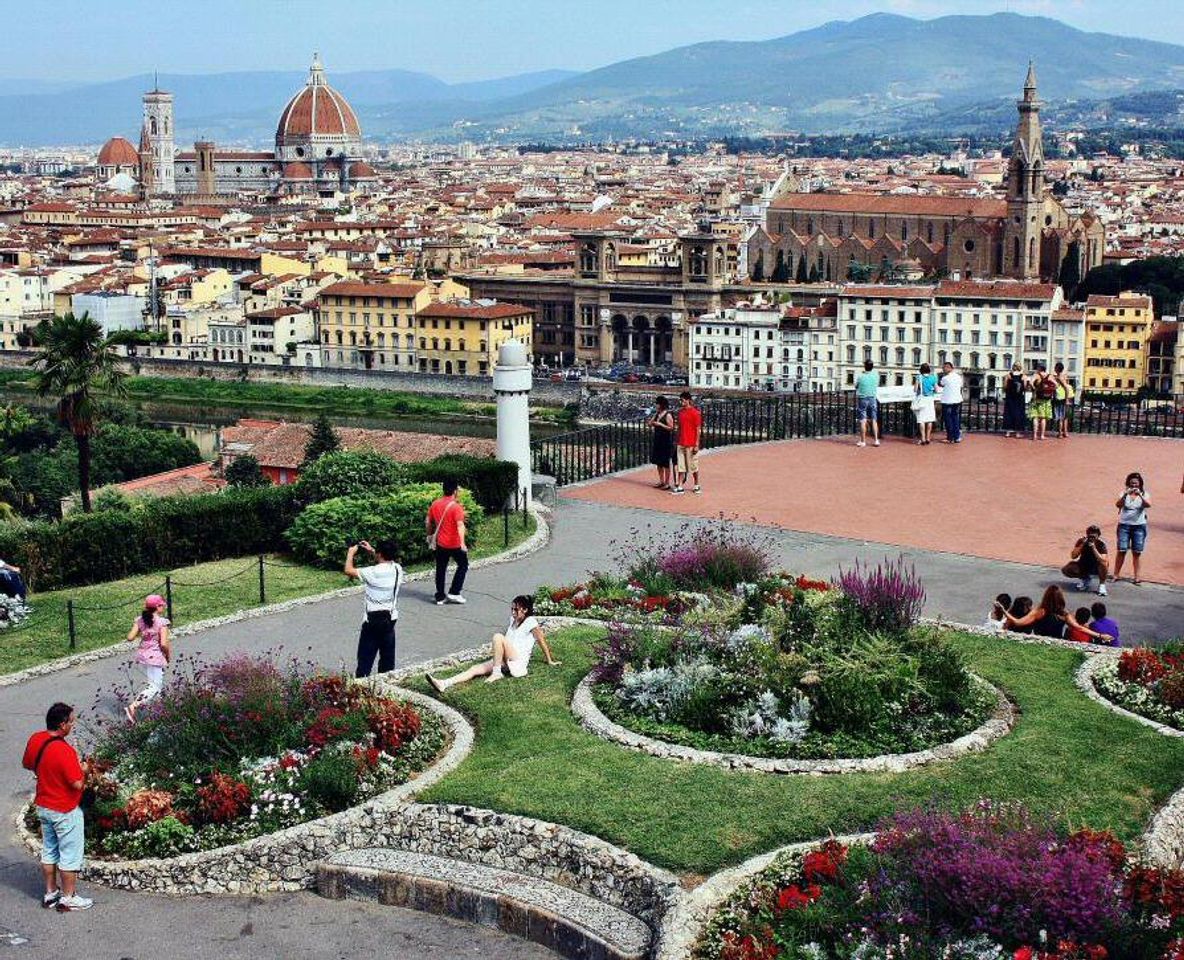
[[62, 839], [1132, 536], [868, 407]]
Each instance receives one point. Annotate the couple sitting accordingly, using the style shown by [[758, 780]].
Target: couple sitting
[[511, 650], [1089, 560]]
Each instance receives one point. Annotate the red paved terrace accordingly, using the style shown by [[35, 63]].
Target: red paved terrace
[[988, 496]]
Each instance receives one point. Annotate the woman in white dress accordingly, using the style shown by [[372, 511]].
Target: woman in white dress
[[511, 650], [924, 388]]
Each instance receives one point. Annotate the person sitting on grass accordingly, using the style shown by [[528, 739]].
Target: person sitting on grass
[[511, 650], [1020, 608], [996, 619], [1079, 632], [1107, 626]]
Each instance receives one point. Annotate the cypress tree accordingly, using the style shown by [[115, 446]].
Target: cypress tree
[[323, 439]]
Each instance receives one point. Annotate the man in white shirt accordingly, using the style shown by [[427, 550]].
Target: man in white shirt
[[951, 402], [380, 588]]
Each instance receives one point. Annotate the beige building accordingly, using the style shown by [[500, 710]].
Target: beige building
[[463, 337], [1116, 333], [370, 325]]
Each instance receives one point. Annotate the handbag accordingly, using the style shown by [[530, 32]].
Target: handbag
[[918, 404], [432, 537], [1027, 397]]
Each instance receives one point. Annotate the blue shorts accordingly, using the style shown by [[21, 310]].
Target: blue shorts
[[1132, 536], [62, 838], [868, 408]]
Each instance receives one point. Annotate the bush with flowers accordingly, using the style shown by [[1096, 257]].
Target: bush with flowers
[[991, 883], [800, 669], [1147, 682], [243, 747]]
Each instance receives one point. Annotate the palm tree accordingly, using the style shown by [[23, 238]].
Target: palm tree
[[75, 362]]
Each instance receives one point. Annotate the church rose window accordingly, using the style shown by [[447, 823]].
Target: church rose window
[[968, 246]]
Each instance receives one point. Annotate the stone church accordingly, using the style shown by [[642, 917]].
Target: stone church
[[1026, 235]]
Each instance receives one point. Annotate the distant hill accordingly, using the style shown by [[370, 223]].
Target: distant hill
[[226, 106]]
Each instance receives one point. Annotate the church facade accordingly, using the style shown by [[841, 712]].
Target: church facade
[[1026, 235], [318, 150]]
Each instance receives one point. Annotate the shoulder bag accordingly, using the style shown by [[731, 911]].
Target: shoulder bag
[[432, 537]]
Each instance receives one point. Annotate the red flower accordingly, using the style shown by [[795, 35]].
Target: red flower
[[1140, 665], [805, 583], [794, 897], [223, 799], [1103, 843], [582, 602], [822, 865], [394, 724], [748, 948], [563, 593], [1023, 953], [328, 726]]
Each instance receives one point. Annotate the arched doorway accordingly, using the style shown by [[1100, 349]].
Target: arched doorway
[[663, 340], [643, 342], [622, 338]]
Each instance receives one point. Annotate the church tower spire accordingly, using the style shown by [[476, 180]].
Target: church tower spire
[[1025, 188]]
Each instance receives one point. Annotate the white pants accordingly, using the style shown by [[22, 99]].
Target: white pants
[[154, 680]]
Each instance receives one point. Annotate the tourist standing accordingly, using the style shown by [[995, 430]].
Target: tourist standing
[[1044, 389], [1015, 420], [662, 445], [60, 781], [867, 407], [951, 402], [690, 427], [1132, 506], [154, 652], [1060, 401], [511, 650], [380, 591], [445, 524], [925, 388]]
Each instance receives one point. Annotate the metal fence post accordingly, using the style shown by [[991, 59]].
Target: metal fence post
[[70, 623], [262, 584], [168, 595], [506, 523], [524, 519]]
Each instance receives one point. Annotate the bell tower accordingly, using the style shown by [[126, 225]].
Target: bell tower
[[1025, 189], [158, 131]]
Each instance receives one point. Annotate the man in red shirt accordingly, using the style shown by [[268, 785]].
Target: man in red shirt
[[60, 779], [690, 424], [446, 519]]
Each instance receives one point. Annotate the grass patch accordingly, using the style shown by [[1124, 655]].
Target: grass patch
[[335, 401], [1068, 757], [104, 612]]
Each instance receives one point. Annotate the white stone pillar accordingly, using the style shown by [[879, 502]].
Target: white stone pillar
[[511, 387]]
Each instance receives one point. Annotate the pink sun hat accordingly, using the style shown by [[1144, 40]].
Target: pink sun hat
[[156, 601]]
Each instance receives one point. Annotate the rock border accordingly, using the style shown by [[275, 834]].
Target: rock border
[[1083, 677], [532, 544], [1001, 722], [286, 859]]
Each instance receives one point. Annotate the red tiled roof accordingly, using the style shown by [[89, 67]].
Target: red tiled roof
[[996, 290], [1137, 301], [478, 311], [199, 478], [888, 290], [897, 204], [350, 288]]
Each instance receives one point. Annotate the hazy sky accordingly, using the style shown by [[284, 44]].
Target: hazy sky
[[453, 39]]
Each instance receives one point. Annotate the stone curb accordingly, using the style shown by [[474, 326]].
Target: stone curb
[[684, 924], [1083, 677], [282, 860], [536, 541], [1001, 723]]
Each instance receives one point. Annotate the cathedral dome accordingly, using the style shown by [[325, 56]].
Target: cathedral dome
[[118, 152], [361, 170], [297, 171], [317, 113]]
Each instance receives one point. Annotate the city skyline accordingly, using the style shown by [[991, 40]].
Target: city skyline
[[56, 45]]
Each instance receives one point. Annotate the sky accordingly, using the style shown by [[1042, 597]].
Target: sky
[[456, 40]]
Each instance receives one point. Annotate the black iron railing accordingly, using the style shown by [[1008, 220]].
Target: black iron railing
[[596, 451]]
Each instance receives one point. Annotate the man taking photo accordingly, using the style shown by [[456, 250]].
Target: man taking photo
[[1089, 559]]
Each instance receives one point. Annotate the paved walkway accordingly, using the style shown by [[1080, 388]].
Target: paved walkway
[[302, 925], [987, 497]]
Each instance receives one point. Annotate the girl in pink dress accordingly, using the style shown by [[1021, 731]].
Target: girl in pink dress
[[154, 652]]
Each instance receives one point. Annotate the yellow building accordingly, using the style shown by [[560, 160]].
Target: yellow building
[[370, 326], [1116, 334], [463, 336]]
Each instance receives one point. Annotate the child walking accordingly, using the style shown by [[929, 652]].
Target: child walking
[[153, 654]]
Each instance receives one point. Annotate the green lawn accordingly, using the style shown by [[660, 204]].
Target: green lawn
[[1068, 757], [104, 612]]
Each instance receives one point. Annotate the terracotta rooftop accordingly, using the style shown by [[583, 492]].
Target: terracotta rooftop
[[347, 288], [478, 311], [199, 478], [996, 290], [898, 204], [887, 290]]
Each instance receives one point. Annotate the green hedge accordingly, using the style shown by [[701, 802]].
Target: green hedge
[[323, 531], [155, 535], [491, 481], [348, 473]]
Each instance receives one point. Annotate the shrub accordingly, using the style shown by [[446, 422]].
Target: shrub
[[164, 838], [348, 473], [159, 534], [331, 779], [393, 725], [223, 799], [146, 806], [887, 597], [492, 482], [697, 557], [244, 471], [323, 531]]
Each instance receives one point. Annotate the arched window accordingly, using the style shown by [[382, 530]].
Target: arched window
[[871, 229], [152, 125], [916, 356], [957, 358], [929, 232], [810, 227], [1032, 253], [904, 231], [1015, 250]]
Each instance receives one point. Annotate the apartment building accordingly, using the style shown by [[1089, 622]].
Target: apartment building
[[1117, 330], [370, 325], [463, 336]]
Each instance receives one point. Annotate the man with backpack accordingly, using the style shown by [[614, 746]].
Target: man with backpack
[[1044, 389], [60, 782]]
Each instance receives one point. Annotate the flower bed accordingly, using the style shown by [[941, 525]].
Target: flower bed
[[1147, 682], [823, 673], [242, 748], [987, 884]]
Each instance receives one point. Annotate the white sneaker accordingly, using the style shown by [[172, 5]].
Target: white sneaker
[[876, 444], [50, 899], [861, 443], [698, 489], [1102, 591], [456, 598], [67, 904], [677, 490]]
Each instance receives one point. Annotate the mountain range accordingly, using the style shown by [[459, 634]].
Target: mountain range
[[882, 72]]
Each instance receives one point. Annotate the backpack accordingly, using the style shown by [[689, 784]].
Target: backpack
[[1046, 389]]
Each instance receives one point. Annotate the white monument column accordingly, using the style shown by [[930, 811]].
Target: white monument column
[[511, 387]]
